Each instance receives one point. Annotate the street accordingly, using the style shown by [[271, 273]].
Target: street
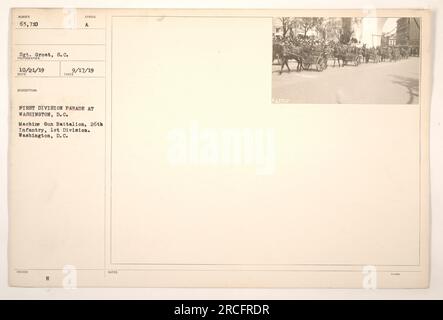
[[368, 83]]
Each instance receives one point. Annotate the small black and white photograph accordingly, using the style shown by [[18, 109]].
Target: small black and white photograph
[[349, 60]]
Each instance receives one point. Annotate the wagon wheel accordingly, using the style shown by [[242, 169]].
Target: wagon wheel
[[306, 65], [319, 64], [356, 61], [325, 63]]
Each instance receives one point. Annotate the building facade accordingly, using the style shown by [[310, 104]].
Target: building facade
[[408, 33]]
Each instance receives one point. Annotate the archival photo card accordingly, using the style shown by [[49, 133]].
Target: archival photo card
[[159, 148]]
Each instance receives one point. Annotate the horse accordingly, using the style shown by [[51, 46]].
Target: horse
[[277, 52], [395, 54], [372, 54], [365, 53], [329, 53], [404, 53], [385, 54], [338, 53], [293, 53]]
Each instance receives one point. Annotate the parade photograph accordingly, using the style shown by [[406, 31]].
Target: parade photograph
[[350, 60]]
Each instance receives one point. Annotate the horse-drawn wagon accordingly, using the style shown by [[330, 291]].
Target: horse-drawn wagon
[[305, 56], [351, 57], [314, 57], [372, 55], [346, 55]]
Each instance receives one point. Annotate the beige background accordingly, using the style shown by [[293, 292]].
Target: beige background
[[257, 293], [337, 182]]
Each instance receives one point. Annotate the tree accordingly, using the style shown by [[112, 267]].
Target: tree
[[346, 32], [329, 29], [286, 25], [417, 23], [307, 24], [332, 28], [321, 29]]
